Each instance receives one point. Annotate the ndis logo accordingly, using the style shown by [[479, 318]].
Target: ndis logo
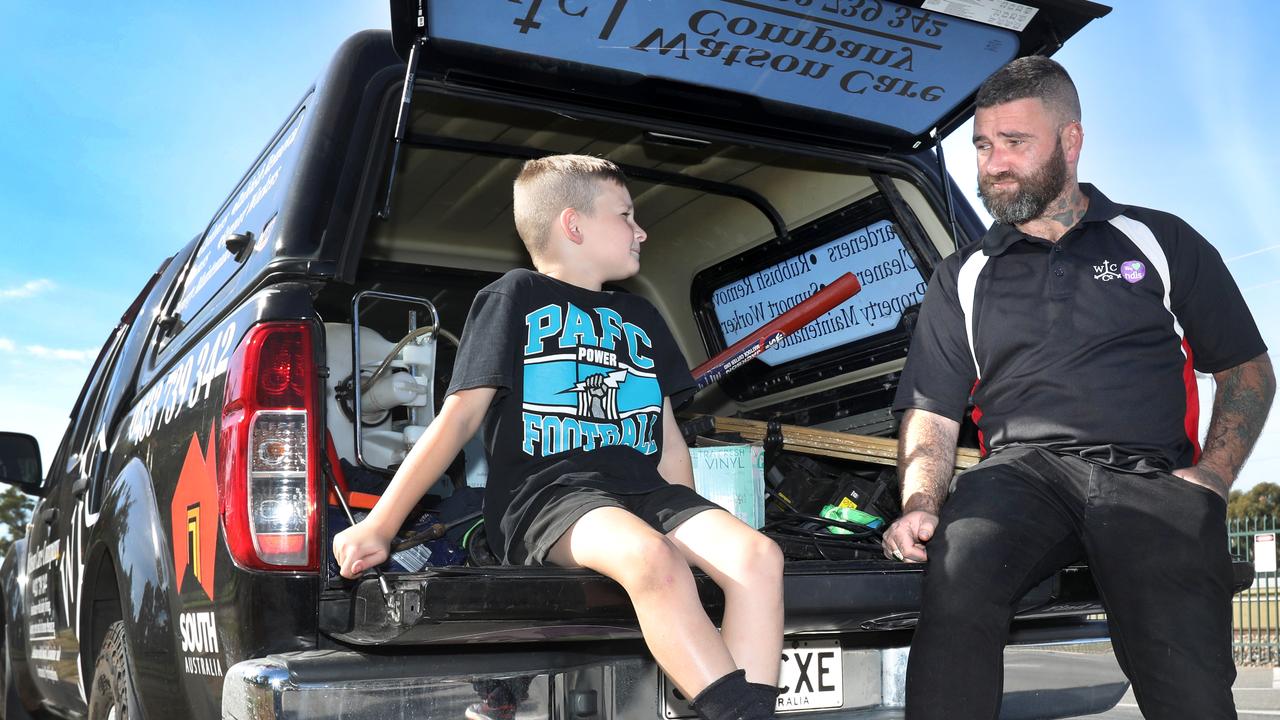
[[1133, 271]]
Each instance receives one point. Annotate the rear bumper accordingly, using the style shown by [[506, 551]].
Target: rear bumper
[[1042, 680]]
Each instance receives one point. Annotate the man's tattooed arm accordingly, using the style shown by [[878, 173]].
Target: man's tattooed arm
[[926, 459], [1240, 408]]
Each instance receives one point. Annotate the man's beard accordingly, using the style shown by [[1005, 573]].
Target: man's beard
[[1035, 190]]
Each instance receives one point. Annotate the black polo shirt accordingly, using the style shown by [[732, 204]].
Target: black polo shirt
[[1085, 346]]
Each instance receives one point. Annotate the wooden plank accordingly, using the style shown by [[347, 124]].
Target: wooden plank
[[829, 443]]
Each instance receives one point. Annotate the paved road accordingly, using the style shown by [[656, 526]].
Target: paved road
[[1255, 699], [1085, 680]]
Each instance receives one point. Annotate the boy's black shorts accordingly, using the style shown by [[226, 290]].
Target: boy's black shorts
[[664, 509]]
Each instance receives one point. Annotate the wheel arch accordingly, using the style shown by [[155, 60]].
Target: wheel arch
[[100, 606], [128, 576]]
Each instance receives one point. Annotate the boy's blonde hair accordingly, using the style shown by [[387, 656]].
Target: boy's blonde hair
[[548, 185]]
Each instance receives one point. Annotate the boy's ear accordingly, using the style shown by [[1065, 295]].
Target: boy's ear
[[568, 222]]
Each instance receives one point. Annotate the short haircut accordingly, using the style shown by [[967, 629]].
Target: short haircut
[[1034, 76], [548, 185]]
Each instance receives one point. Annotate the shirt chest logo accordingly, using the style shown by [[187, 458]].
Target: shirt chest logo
[[1131, 270], [1106, 271], [589, 381]]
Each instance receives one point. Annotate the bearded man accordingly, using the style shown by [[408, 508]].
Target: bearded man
[[1073, 329]]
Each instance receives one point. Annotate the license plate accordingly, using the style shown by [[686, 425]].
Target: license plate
[[812, 676]]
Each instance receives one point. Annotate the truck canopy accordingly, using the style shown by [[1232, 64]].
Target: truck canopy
[[875, 74]]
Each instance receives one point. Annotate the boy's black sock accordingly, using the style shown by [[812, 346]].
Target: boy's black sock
[[733, 698], [767, 695]]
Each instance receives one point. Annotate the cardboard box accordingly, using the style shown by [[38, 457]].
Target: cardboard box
[[732, 476]]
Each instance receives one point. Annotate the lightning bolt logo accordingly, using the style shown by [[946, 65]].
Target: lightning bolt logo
[[598, 395], [611, 381]]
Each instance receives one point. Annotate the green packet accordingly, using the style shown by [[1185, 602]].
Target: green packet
[[850, 515]]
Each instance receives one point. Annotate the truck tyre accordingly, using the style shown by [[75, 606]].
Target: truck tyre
[[113, 695]]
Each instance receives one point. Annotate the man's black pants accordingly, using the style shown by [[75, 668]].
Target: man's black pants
[[1157, 547]]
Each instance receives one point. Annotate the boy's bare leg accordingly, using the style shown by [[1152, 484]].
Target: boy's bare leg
[[748, 568], [656, 576]]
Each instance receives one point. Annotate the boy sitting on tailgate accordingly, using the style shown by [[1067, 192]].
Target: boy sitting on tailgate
[[574, 387]]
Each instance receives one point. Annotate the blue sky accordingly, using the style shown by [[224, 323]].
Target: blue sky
[[126, 124]]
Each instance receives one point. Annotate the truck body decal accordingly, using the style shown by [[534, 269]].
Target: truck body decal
[[185, 385], [201, 655], [194, 516]]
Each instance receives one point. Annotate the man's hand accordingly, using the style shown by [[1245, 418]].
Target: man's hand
[[905, 539], [359, 548], [1206, 478]]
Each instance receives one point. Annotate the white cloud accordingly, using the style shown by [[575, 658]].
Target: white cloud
[[41, 352], [45, 353], [26, 289]]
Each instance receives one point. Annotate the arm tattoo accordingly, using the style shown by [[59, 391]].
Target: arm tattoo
[[1240, 408], [926, 459]]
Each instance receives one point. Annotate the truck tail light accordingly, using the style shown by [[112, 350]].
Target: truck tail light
[[267, 481]]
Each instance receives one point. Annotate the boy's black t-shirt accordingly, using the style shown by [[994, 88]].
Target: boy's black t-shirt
[[581, 376]]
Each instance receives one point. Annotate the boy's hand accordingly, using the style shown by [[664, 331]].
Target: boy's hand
[[359, 548], [365, 545]]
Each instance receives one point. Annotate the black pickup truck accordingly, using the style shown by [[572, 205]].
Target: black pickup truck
[[280, 363]]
